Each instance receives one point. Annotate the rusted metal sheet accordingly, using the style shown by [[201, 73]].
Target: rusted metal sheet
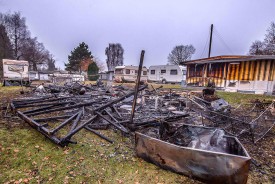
[[207, 166]]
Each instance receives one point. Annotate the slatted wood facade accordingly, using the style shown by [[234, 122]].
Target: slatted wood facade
[[247, 72]]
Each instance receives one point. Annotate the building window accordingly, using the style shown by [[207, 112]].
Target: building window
[[136, 71], [144, 72], [127, 71], [162, 71], [173, 72], [153, 72]]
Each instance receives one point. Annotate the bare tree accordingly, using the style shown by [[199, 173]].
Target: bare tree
[[267, 47], [100, 65], [5, 48], [5, 45], [114, 53], [51, 63], [257, 48], [180, 54], [269, 40], [17, 32], [35, 53]]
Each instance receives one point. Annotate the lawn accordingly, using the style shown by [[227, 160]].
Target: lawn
[[27, 157]]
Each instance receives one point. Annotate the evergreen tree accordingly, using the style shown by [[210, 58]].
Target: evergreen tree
[[79, 54], [93, 71]]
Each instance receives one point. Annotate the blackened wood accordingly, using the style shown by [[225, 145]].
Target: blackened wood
[[67, 121], [52, 118], [38, 127], [118, 126], [137, 86], [99, 135]]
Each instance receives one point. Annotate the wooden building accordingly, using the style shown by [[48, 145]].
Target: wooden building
[[255, 74]]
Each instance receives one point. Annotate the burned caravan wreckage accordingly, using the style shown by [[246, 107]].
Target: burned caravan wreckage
[[191, 133], [186, 132]]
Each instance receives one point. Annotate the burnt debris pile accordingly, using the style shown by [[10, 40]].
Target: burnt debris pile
[[183, 122]]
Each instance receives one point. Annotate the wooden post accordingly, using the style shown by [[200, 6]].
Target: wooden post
[[137, 86], [210, 42]]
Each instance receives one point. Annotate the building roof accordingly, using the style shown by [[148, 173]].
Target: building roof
[[229, 58]]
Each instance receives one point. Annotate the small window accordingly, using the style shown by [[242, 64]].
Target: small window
[[184, 72], [163, 71], [127, 71], [173, 72], [144, 72], [136, 71], [153, 72]]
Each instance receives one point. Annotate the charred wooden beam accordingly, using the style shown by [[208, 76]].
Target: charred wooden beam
[[99, 135], [74, 124], [118, 126], [38, 127], [137, 86], [52, 118], [63, 124], [64, 141]]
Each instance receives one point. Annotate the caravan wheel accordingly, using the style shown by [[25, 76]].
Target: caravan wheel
[[163, 81]]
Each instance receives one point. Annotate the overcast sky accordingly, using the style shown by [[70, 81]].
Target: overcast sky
[[153, 25]]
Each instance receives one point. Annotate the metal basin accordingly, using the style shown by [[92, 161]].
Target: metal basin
[[204, 165]]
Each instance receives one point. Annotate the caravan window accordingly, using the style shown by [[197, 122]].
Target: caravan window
[[144, 72], [184, 72], [153, 72], [162, 71], [136, 71], [127, 71], [15, 68], [173, 72], [118, 71]]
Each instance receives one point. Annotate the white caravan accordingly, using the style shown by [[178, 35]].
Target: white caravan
[[167, 73], [15, 72], [129, 74]]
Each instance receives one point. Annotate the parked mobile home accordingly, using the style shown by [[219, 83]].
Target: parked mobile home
[[14, 71], [64, 76], [129, 74], [33, 75], [167, 73], [107, 75], [255, 74]]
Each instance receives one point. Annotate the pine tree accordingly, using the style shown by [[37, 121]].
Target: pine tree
[[79, 54], [93, 71]]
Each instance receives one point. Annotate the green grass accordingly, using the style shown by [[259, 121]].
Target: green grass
[[237, 98], [27, 155]]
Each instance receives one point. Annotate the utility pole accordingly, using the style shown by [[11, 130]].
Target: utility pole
[[210, 42]]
